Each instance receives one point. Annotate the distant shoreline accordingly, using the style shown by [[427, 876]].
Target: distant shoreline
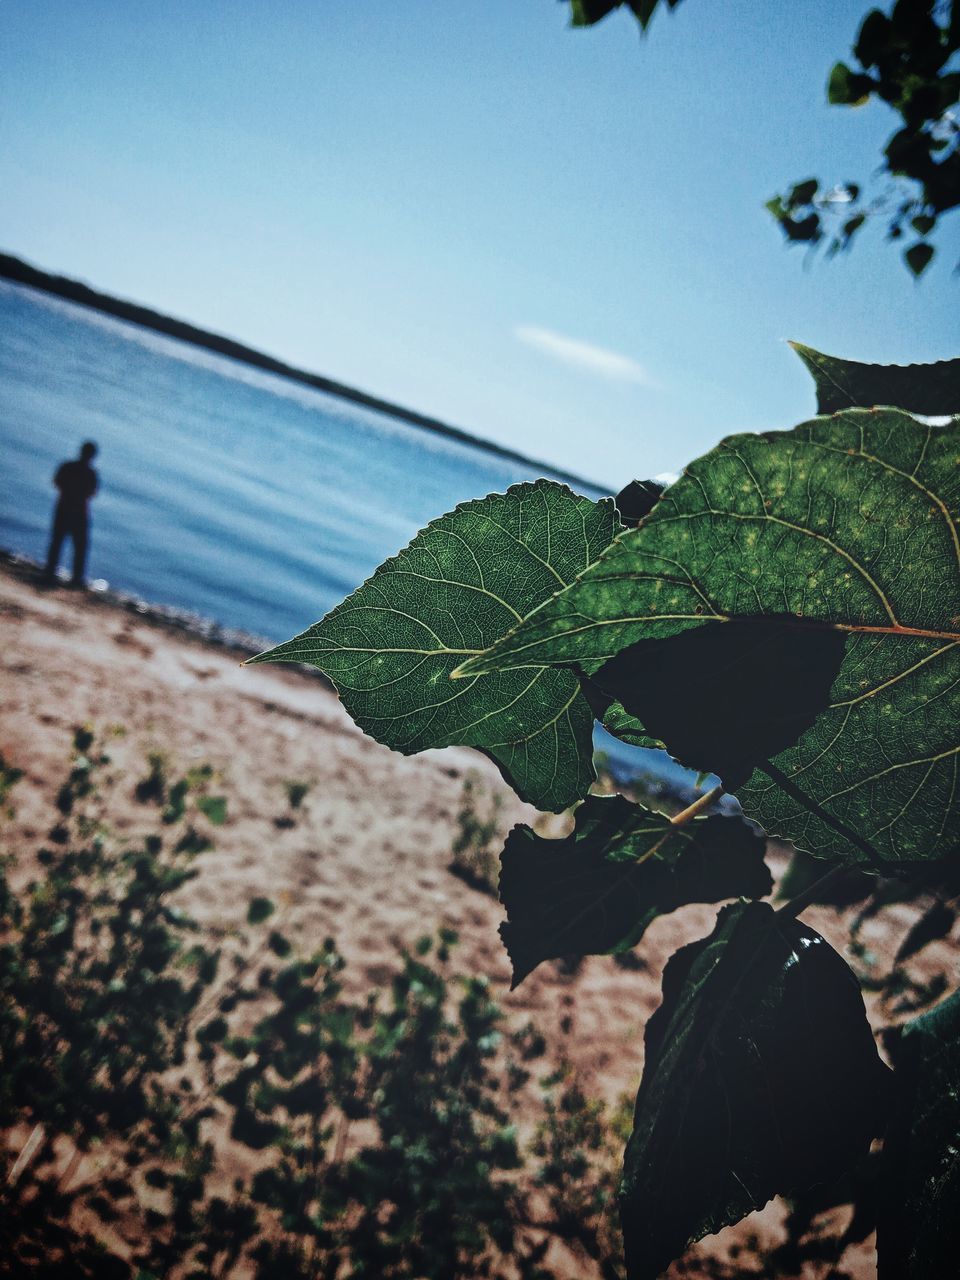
[[20, 272]]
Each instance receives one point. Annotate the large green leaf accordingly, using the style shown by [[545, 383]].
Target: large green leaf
[[846, 384], [760, 1078], [464, 580], [919, 1229], [599, 889], [850, 523]]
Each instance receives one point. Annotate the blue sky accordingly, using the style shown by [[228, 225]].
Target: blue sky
[[553, 238]]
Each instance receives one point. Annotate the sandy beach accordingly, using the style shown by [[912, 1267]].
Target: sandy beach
[[365, 858]]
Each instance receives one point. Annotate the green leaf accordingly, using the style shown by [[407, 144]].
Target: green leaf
[[919, 1228], [584, 13], [618, 721], [802, 193], [464, 580], [727, 698], [846, 88], [760, 1078], [849, 523], [215, 808], [847, 384], [598, 890], [918, 257], [804, 871]]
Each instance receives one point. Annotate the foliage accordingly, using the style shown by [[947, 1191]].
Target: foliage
[[787, 617], [847, 384], [597, 890], [726, 1116], [906, 58], [375, 1136], [919, 1233], [830, 630]]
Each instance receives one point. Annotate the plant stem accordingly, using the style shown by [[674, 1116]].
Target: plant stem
[[681, 819], [792, 790], [702, 802], [801, 901]]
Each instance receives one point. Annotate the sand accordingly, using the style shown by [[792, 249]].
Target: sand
[[367, 858]]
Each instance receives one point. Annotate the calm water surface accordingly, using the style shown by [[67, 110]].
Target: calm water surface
[[231, 492]]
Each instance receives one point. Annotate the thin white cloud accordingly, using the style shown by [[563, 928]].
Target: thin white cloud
[[583, 355]]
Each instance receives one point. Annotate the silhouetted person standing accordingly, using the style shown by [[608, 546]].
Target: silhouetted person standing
[[77, 482]]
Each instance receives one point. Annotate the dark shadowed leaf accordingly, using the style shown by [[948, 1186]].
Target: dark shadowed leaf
[[803, 192], [724, 699], [847, 384], [592, 893], [760, 1077], [637, 499], [919, 1230], [464, 580], [841, 890], [935, 923], [918, 257]]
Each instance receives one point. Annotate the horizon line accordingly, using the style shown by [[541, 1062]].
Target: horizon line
[[19, 271]]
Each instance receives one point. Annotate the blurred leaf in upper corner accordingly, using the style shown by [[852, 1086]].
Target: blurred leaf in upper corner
[[932, 389], [919, 1228], [906, 59], [598, 890], [465, 580], [584, 13], [846, 88], [761, 1077]]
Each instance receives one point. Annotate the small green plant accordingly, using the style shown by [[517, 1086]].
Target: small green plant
[[377, 1136], [905, 59], [785, 616]]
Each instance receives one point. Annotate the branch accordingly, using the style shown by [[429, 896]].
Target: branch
[[808, 896], [681, 819], [841, 828]]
